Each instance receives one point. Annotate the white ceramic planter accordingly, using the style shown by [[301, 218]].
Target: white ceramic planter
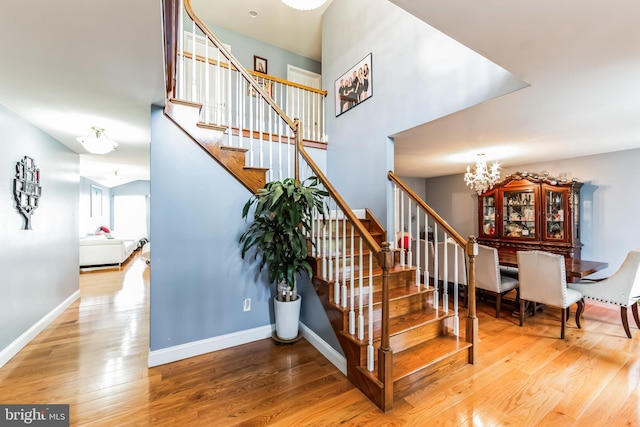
[[287, 317]]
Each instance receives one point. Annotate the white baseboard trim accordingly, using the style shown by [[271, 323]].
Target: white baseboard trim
[[338, 360], [196, 348], [19, 343]]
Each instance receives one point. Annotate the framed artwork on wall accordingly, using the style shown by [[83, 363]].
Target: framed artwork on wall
[[354, 86], [259, 64]]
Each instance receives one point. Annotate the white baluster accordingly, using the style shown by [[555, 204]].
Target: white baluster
[[418, 269], [206, 73], [445, 285], [455, 294], [344, 262], [436, 267], [181, 64], [193, 61], [352, 316], [370, 355], [360, 293]]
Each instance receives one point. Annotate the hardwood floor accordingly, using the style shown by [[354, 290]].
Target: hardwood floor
[[94, 357]]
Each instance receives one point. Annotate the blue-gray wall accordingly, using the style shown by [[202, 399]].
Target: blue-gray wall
[[418, 75], [198, 279], [38, 267], [244, 48], [609, 202]]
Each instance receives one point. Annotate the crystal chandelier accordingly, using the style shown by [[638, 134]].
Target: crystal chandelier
[[482, 179], [97, 142], [304, 4]]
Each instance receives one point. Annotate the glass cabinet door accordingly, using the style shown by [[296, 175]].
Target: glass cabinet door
[[489, 215], [554, 214], [519, 210]]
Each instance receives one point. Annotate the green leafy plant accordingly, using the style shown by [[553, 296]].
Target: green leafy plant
[[282, 219]]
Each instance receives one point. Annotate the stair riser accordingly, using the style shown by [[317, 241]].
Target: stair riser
[[398, 279], [417, 335], [397, 307], [433, 372], [405, 340]]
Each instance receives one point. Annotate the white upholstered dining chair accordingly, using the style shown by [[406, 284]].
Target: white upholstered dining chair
[[621, 289], [543, 280], [489, 278]]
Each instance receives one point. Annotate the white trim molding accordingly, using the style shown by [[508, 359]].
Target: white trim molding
[[333, 356], [19, 343], [196, 348]]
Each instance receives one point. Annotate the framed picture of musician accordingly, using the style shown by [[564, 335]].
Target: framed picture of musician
[[354, 86]]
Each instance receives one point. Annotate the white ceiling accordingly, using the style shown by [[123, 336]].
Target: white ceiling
[[70, 65], [582, 60]]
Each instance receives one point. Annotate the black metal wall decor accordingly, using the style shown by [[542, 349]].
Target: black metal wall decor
[[26, 189]]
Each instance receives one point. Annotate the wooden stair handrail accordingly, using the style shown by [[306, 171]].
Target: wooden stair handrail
[[232, 59], [453, 233], [363, 232]]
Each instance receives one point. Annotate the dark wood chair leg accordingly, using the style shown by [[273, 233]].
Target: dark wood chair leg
[[568, 311], [625, 321], [579, 313], [498, 304], [634, 310], [563, 323], [521, 312]]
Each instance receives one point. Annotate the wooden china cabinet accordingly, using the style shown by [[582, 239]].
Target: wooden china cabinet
[[530, 212]]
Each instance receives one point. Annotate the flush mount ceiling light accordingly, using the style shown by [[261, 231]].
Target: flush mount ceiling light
[[97, 142], [482, 178], [304, 4]]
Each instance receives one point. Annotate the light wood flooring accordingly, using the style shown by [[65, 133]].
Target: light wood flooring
[[94, 357]]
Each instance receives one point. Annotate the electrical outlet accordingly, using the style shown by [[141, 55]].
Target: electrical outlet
[[246, 304]]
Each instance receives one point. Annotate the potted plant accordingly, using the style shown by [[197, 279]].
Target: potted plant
[[282, 219]]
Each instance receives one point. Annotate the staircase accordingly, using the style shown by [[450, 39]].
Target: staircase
[[423, 347], [394, 318]]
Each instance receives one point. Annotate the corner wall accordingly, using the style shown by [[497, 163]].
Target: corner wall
[[198, 279], [38, 267]]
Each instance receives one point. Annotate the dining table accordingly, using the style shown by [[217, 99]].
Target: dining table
[[575, 268]]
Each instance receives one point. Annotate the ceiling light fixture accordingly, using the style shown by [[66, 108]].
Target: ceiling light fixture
[[304, 4], [97, 142], [482, 179]]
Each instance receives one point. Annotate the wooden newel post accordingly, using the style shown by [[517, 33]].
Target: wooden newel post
[[385, 354], [472, 319]]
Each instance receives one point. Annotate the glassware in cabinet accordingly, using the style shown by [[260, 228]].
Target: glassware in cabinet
[[518, 207]]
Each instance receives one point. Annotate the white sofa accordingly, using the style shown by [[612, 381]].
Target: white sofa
[[99, 250]]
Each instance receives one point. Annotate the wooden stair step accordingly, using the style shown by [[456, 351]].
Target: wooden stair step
[[375, 272], [211, 126], [420, 357], [403, 323]]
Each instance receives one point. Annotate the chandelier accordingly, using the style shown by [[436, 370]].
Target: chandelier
[[304, 4], [97, 142], [482, 179]]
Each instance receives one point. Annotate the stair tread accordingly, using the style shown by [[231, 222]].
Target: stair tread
[[185, 102], [416, 358], [403, 323], [394, 294], [376, 271]]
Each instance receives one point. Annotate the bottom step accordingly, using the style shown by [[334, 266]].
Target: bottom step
[[432, 359]]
